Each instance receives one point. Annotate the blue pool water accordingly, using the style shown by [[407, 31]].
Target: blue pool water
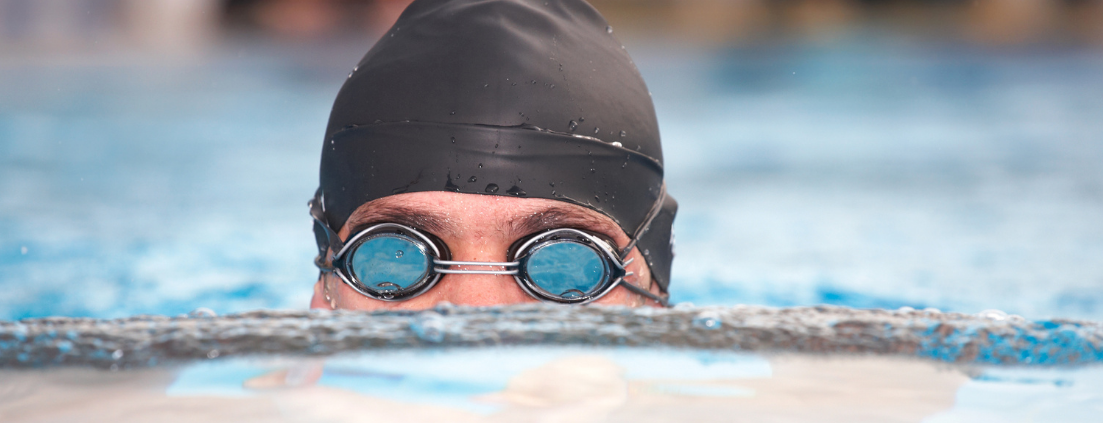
[[868, 175]]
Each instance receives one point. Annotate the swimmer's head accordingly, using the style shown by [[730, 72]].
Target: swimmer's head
[[520, 106]]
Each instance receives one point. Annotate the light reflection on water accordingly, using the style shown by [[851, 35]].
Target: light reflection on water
[[558, 384]]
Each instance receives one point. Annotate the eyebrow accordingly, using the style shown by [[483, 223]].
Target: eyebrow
[[560, 217], [551, 217], [434, 223]]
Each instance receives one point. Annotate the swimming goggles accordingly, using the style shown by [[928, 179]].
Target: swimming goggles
[[393, 262]]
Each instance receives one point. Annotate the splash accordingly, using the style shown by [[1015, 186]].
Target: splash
[[142, 341]]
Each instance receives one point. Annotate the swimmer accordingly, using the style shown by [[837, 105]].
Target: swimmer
[[493, 152]]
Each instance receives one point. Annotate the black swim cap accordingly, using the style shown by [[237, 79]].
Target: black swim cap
[[526, 98]]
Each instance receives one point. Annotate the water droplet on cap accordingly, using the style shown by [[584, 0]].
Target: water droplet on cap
[[608, 30], [572, 125], [491, 188], [453, 140], [617, 144], [452, 112], [472, 179], [623, 134]]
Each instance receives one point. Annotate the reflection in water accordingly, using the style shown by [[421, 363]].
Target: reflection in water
[[548, 384]]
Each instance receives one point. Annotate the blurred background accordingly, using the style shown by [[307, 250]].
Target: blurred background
[[156, 155]]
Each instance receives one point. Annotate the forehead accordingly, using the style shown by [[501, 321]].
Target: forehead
[[449, 214]]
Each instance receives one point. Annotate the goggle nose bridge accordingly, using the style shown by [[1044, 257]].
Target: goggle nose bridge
[[510, 268]]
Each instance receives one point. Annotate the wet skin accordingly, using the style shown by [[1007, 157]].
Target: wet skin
[[476, 228]]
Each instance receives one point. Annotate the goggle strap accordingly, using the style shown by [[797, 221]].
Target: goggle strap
[[651, 296], [317, 211], [646, 224]]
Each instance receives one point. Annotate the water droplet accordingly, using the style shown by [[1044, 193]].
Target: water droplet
[[572, 294], [623, 134], [553, 192], [552, 86], [491, 188], [453, 140], [514, 84], [617, 144], [533, 82], [429, 326], [213, 354], [472, 179], [388, 296], [452, 112], [707, 320], [331, 142], [486, 85], [608, 30], [647, 252], [387, 286], [592, 170], [399, 253], [596, 130], [202, 312], [993, 314], [572, 125], [516, 191], [480, 165]]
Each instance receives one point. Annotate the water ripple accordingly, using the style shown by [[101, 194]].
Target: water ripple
[[148, 340]]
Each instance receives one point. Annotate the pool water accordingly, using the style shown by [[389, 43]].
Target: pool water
[[552, 364], [860, 174]]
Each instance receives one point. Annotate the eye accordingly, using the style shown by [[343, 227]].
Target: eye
[[389, 263], [567, 269]]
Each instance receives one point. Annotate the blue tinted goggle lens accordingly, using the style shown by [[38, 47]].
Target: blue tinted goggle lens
[[389, 263], [566, 269]]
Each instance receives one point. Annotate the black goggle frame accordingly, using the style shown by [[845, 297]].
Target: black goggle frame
[[613, 261]]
